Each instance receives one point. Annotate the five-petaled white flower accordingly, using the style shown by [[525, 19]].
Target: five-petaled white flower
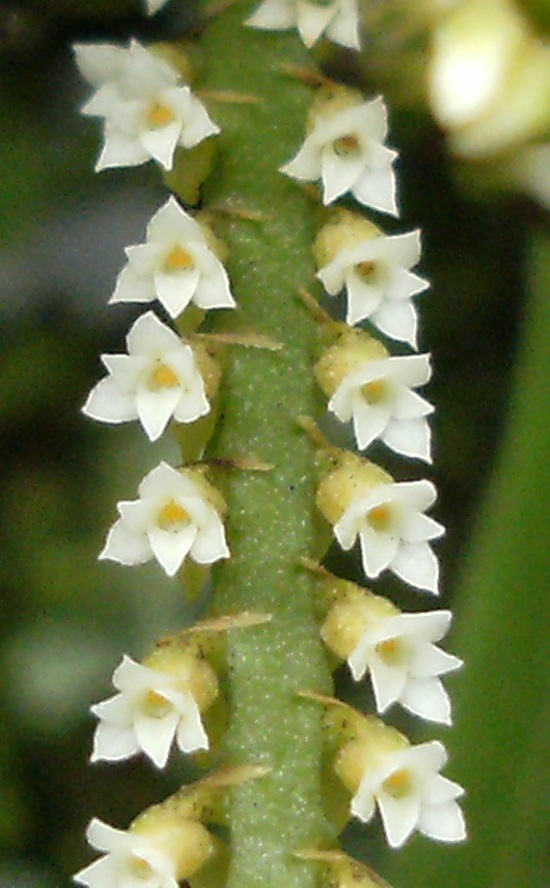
[[148, 112], [130, 860], [411, 794], [176, 265], [377, 396], [346, 150], [151, 709], [393, 532], [404, 663], [338, 20], [172, 518], [379, 284], [157, 380]]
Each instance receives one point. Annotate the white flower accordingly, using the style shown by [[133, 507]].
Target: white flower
[[393, 532], [130, 860], [172, 518], [379, 283], [157, 380], [404, 663], [147, 110], [378, 397], [153, 6], [175, 264], [411, 794], [346, 150], [151, 709], [338, 20]]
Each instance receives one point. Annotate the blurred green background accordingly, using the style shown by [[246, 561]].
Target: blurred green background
[[66, 619]]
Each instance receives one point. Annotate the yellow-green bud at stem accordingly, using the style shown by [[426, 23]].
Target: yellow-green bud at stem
[[348, 621], [376, 741], [187, 842], [197, 674], [354, 476], [352, 349], [344, 230]]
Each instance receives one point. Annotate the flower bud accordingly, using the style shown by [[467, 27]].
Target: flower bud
[[344, 231], [353, 476], [352, 349]]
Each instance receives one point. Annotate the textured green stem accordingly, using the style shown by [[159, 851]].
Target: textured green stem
[[271, 521]]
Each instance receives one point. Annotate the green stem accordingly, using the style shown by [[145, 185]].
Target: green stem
[[271, 521]]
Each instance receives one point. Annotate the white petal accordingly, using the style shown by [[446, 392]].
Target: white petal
[[428, 699], [397, 320], [99, 62], [210, 544], [410, 405], [362, 804], [411, 370], [155, 409], [378, 550], [191, 735], [155, 735], [117, 710], [137, 515], [401, 249], [198, 125], [410, 437], [417, 527], [344, 28], [376, 189], [363, 299], [416, 564], [388, 682], [444, 823], [160, 144], [108, 403], [176, 290], [130, 287], [306, 164], [313, 20], [403, 284], [150, 337], [125, 547], [431, 660], [399, 816], [100, 873], [103, 837], [120, 149], [369, 423], [339, 174], [273, 15], [113, 744], [171, 549], [172, 224]]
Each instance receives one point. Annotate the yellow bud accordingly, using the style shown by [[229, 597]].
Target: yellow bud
[[196, 674], [330, 101], [344, 231], [187, 842], [348, 621], [353, 349], [367, 752], [354, 477]]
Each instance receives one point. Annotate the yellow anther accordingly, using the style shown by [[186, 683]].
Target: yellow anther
[[346, 146], [380, 518], [159, 116], [155, 705], [179, 259], [140, 869], [399, 784], [366, 270], [375, 392], [163, 377], [172, 516], [390, 650]]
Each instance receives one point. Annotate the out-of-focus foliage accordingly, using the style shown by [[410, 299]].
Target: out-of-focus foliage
[[66, 619]]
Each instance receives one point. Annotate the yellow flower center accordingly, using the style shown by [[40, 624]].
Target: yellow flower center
[[179, 259], [155, 705], [366, 270], [159, 116], [375, 392], [346, 146], [172, 516], [390, 650], [380, 517], [140, 869], [163, 377], [399, 784]]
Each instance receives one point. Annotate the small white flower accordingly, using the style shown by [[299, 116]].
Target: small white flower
[[147, 110], [411, 794], [130, 860], [151, 709], [172, 519], [338, 20], [347, 151], [378, 397], [379, 284], [404, 663], [175, 264], [153, 6], [393, 532], [157, 380]]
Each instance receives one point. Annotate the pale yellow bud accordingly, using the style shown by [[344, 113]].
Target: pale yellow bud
[[348, 621], [332, 100], [186, 841], [377, 741], [354, 477], [196, 674], [353, 348], [344, 231]]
